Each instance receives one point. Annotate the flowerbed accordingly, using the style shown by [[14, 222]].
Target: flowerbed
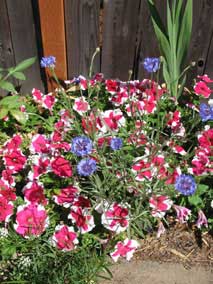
[[97, 164]]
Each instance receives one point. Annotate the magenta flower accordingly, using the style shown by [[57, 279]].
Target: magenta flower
[[40, 144], [34, 193], [81, 105], [65, 238], [15, 161], [125, 249], [66, 196], [160, 205], [202, 220], [183, 213], [6, 209], [115, 218], [48, 101], [202, 89], [82, 218], [61, 167], [31, 220]]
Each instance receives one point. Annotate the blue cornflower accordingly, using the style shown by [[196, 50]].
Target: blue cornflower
[[116, 143], [86, 167], [48, 61], [151, 64], [206, 112], [185, 184], [81, 146]]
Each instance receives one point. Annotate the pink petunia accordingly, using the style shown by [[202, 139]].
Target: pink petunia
[[34, 193], [37, 95], [15, 161], [159, 204], [48, 101], [125, 249], [202, 220], [7, 191], [183, 213], [202, 89], [81, 105], [82, 218], [31, 220], [40, 144], [65, 238], [111, 120], [61, 167], [141, 169], [116, 218], [66, 196], [13, 144], [40, 166], [6, 209], [205, 78]]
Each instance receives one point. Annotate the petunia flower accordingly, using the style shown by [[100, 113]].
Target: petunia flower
[[115, 218], [64, 238], [202, 220], [124, 249], [31, 220], [183, 213], [82, 218]]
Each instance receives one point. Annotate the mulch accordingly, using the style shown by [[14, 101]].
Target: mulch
[[179, 244]]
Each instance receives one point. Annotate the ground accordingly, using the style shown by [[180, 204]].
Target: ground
[[181, 256]]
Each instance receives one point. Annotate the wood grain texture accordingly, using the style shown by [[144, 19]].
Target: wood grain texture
[[24, 40], [82, 35], [53, 34], [201, 38], [119, 36], [7, 58]]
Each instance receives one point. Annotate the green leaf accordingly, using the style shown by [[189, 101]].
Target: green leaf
[[185, 32], [19, 116], [19, 76], [8, 251], [7, 86], [195, 200], [155, 15], [1, 76], [11, 101], [3, 112], [24, 64], [166, 72]]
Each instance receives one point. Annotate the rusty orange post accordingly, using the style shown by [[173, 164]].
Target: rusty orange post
[[53, 35]]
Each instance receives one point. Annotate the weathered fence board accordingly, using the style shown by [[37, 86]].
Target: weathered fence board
[[119, 36], [82, 35], [7, 57], [24, 40], [53, 34], [201, 37], [72, 29]]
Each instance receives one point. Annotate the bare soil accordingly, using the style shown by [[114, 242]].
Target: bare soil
[[180, 256]]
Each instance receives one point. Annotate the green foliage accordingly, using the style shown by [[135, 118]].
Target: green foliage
[[173, 41], [15, 72]]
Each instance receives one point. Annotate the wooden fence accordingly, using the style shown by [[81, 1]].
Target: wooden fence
[[72, 29]]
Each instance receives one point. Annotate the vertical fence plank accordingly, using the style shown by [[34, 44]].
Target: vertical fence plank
[[24, 40], [53, 34], [201, 36], [119, 37], [82, 35], [7, 57]]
